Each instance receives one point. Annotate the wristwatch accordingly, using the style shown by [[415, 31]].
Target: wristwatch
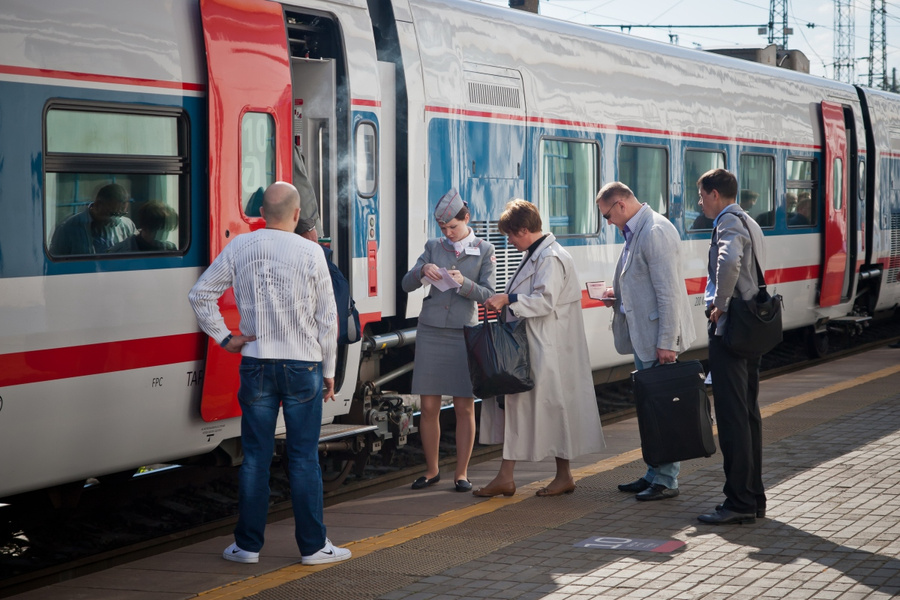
[[227, 339]]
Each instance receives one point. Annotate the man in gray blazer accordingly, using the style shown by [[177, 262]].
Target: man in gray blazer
[[737, 241], [651, 309]]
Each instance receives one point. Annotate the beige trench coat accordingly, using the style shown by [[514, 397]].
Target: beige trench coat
[[559, 417]]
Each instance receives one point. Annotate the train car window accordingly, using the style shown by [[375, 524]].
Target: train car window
[[366, 159], [838, 195], [645, 170], [757, 188], [696, 163], [569, 180], [257, 159], [115, 181], [801, 187]]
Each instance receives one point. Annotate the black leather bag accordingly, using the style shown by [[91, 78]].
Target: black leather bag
[[753, 327], [673, 411], [498, 358]]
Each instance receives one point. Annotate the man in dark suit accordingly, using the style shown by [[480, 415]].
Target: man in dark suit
[[735, 380]]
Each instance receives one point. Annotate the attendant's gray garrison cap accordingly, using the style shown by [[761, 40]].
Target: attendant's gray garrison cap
[[448, 206]]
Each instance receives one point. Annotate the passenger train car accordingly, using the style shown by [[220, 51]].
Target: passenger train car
[[194, 106]]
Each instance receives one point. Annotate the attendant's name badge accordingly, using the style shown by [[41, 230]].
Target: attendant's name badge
[[473, 250]]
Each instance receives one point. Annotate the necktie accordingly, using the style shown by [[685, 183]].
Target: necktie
[[711, 266]]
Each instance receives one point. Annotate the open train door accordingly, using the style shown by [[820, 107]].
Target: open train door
[[835, 279], [249, 148]]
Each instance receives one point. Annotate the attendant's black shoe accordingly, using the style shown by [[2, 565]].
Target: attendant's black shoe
[[727, 517], [760, 512], [657, 492], [424, 482], [894, 345], [463, 485], [635, 486]]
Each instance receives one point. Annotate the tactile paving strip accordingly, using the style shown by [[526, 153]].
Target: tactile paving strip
[[383, 571]]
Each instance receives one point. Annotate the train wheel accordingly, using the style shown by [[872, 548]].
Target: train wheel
[[333, 478], [816, 343]]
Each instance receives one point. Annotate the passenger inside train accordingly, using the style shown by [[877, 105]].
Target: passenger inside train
[[154, 221], [94, 230], [803, 214]]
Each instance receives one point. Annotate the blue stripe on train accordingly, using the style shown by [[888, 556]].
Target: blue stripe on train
[[22, 251]]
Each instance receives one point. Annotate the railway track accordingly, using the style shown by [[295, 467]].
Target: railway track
[[121, 521]]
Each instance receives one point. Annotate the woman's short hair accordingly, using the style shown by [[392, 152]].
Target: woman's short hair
[[154, 216], [461, 215], [518, 215]]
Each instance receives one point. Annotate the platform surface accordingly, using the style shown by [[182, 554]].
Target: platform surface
[[831, 468]]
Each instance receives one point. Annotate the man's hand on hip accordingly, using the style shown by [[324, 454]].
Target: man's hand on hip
[[237, 342]]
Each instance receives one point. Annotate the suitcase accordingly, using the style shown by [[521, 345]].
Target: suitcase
[[673, 411]]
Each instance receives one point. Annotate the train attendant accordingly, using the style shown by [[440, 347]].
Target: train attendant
[[288, 341], [442, 367], [559, 417], [737, 242]]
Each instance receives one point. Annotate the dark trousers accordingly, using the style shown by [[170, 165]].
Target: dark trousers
[[735, 383]]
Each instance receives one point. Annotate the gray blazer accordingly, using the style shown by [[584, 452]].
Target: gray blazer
[[731, 265], [457, 307], [651, 284]]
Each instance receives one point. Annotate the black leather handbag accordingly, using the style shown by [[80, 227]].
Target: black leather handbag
[[753, 327], [498, 358]]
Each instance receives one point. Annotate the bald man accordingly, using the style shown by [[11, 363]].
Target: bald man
[[288, 340]]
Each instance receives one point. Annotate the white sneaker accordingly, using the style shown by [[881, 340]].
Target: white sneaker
[[235, 554], [328, 554]]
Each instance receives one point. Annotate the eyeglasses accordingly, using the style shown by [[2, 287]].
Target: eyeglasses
[[609, 212], [110, 212]]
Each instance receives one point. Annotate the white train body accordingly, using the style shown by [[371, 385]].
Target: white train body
[[195, 104]]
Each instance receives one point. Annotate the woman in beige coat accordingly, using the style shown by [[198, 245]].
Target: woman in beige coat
[[559, 417]]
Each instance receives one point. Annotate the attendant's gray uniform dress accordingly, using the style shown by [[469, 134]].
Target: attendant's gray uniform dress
[[442, 366]]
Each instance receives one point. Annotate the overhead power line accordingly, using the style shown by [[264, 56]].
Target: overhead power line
[[626, 26]]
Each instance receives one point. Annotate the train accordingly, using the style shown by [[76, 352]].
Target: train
[[194, 106]]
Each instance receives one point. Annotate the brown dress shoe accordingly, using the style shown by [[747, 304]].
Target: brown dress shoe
[[566, 489], [489, 491]]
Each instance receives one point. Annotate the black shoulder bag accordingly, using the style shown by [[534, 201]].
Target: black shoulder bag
[[498, 358], [753, 327]]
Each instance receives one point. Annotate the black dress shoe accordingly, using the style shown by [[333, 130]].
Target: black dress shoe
[[635, 486], [760, 512], [424, 482], [463, 485], [727, 517], [657, 492]]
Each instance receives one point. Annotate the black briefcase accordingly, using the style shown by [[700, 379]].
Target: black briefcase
[[673, 411]]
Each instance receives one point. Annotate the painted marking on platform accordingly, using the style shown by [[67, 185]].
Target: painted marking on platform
[[617, 543]]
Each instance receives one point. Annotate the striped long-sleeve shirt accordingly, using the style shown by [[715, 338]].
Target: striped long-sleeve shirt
[[283, 292]]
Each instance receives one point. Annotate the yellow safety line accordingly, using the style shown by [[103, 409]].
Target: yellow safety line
[[253, 585]]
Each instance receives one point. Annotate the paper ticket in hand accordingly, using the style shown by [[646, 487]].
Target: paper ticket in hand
[[446, 282], [596, 289]]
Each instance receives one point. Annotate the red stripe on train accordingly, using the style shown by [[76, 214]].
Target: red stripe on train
[[77, 361], [97, 78], [697, 285]]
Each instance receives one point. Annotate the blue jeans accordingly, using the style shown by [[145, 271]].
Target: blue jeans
[[665, 474], [297, 386]]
